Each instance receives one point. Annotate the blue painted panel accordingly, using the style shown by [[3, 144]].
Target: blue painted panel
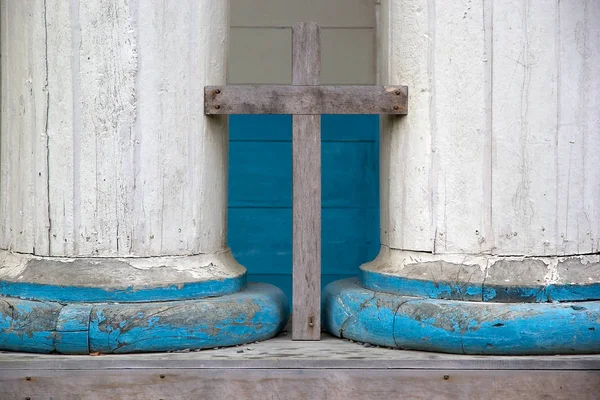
[[350, 128], [261, 239], [284, 281], [279, 127], [260, 174], [260, 127], [260, 194]]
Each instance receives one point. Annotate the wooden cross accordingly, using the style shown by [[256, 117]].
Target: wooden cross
[[306, 100]]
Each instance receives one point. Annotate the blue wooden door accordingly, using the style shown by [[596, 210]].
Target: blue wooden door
[[260, 195]]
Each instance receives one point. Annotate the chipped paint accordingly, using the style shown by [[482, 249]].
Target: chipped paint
[[201, 266], [123, 279], [484, 278], [466, 327], [257, 313]]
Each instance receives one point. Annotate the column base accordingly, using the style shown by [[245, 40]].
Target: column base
[[464, 327], [125, 280], [257, 313], [127, 305], [487, 278]]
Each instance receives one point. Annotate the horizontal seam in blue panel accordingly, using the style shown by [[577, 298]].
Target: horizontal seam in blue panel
[[290, 207], [290, 141], [290, 28], [289, 273]]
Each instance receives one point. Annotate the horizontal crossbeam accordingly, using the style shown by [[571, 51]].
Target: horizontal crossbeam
[[305, 100]]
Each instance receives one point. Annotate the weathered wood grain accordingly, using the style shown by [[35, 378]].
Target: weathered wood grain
[[306, 99], [283, 353], [330, 384], [306, 173], [306, 154], [306, 54]]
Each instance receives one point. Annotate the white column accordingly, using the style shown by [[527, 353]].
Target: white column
[[105, 150], [500, 152]]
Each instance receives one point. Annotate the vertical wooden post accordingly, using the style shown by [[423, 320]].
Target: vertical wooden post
[[306, 156]]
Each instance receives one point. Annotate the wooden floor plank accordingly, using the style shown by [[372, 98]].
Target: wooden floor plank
[[283, 353], [217, 384]]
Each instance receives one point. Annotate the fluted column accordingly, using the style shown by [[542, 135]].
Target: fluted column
[[498, 158], [105, 150], [490, 186]]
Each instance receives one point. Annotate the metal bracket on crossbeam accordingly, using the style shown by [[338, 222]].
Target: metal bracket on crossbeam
[[305, 100]]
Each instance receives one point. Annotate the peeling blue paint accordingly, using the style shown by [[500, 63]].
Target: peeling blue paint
[[74, 294], [514, 294], [73, 318], [478, 291], [452, 326], [347, 322], [28, 326], [257, 313], [423, 288], [573, 292], [72, 343]]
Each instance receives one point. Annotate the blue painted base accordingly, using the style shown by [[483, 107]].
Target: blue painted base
[[467, 327], [123, 280], [479, 291], [75, 294], [257, 313], [484, 278], [407, 286]]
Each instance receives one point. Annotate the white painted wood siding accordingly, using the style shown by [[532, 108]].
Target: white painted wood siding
[[104, 147], [500, 152]]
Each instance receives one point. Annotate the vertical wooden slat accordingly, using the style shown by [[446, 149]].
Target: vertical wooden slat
[[306, 156], [306, 54]]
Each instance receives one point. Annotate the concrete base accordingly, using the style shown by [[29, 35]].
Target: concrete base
[[257, 313], [131, 279], [485, 278], [417, 323]]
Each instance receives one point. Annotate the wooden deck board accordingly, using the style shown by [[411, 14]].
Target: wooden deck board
[[284, 369], [301, 384], [282, 352]]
